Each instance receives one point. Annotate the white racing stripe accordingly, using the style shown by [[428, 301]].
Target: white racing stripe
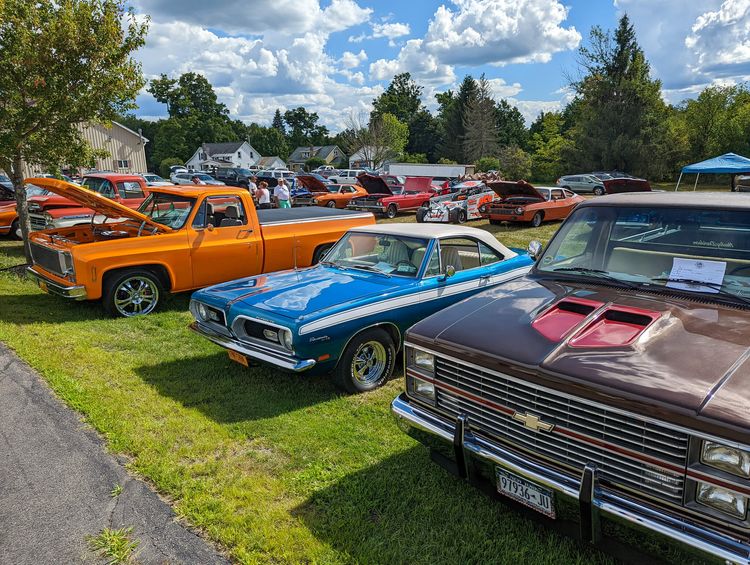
[[410, 300]]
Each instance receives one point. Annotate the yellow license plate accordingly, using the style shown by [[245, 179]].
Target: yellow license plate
[[238, 358], [43, 286]]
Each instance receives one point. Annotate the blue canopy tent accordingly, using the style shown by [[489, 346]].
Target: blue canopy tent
[[729, 163]]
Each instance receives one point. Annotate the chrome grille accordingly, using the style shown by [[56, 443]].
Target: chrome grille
[[304, 202], [50, 259], [578, 416], [504, 211], [38, 222]]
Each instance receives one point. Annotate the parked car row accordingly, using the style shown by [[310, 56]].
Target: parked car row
[[602, 378], [600, 183]]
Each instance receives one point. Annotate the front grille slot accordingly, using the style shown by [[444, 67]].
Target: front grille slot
[[620, 430], [37, 222], [51, 260]]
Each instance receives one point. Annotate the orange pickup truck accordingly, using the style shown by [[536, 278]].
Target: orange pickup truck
[[179, 239]]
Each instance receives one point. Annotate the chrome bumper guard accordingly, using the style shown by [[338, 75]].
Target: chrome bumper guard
[[76, 292], [254, 352], [594, 502]]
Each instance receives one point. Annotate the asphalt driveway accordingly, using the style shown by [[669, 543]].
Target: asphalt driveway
[[56, 482]]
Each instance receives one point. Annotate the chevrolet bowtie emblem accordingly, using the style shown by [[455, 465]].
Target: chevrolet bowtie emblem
[[533, 422]]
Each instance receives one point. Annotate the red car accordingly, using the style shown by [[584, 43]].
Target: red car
[[387, 200], [52, 211], [626, 184], [522, 202]]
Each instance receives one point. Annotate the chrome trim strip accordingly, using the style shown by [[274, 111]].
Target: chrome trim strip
[[674, 527], [322, 219], [77, 292], [643, 417], [254, 352]]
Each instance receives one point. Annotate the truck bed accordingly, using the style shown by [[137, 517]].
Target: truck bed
[[277, 216]]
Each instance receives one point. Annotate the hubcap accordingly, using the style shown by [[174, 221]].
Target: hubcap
[[136, 296], [369, 362]]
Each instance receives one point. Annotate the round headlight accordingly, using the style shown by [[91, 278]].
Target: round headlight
[[202, 312], [285, 337], [314, 200], [519, 210]]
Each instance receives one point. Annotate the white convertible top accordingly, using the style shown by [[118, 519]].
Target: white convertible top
[[438, 231]]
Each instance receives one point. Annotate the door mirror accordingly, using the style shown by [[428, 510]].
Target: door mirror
[[535, 249], [450, 270], [210, 227]]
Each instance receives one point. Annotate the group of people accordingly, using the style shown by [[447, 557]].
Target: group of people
[[281, 194]]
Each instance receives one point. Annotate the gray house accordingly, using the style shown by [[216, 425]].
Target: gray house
[[328, 153]]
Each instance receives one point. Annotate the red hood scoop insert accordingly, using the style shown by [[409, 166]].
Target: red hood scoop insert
[[562, 317], [617, 326]]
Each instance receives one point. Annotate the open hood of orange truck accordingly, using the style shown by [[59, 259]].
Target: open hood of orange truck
[[98, 203]]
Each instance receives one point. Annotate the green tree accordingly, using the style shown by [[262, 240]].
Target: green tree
[[485, 164], [511, 127], [314, 163], [173, 139], [452, 114], [514, 163], [62, 64], [548, 147], [267, 140], [621, 121], [304, 128], [401, 99], [379, 140], [414, 158], [480, 127], [189, 94], [278, 122], [165, 164], [423, 134]]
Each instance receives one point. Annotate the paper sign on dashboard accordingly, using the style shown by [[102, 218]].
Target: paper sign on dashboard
[[710, 272]]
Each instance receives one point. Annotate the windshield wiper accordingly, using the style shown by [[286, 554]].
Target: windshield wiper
[[371, 268], [719, 288], [596, 273], [333, 265]]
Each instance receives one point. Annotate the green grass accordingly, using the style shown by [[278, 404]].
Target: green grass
[[115, 545], [273, 467]]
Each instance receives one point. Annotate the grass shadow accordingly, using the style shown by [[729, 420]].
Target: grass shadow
[[227, 392]]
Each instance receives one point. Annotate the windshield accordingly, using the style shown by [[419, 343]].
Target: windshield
[[244, 172], [33, 190], [385, 254], [201, 176], [167, 209], [688, 249]]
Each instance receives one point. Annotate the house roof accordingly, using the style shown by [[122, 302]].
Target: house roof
[[322, 151], [268, 160], [222, 148], [145, 139]]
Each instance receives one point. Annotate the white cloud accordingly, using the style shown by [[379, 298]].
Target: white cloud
[[424, 67], [391, 31], [501, 89], [720, 40], [351, 60]]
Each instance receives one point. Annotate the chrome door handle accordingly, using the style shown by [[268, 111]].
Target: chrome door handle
[[247, 231]]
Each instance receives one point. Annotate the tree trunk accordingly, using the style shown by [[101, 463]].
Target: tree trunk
[[21, 205]]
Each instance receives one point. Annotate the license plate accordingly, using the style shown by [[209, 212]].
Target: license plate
[[527, 493], [43, 286], [238, 358]]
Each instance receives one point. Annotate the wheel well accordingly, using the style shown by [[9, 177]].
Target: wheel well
[[159, 270], [389, 327], [320, 249]]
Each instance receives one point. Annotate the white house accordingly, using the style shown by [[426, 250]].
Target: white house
[[272, 162], [233, 154]]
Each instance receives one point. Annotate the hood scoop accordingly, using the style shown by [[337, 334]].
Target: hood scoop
[[556, 322], [617, 326]]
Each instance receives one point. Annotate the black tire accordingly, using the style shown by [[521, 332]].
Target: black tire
[[391, 211], [379, 344], [496, 222], [331, 204], [461, 217], [598, 191], [15, 230], [319, 252], [420, 215], [536, 221], [119, 301]]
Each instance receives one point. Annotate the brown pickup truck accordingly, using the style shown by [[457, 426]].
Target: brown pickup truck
[[180, 239]]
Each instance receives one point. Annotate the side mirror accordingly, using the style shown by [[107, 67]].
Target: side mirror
[[535, 249], [210, 227], [450, 270]]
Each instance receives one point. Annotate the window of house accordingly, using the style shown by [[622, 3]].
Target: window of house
[[123, 164], [251, 155], [239, 154], [130, 189]]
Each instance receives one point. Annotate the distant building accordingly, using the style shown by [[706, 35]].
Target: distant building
[[328, 153], [365, 157], [274, 162], [126, 149], [231, 154]]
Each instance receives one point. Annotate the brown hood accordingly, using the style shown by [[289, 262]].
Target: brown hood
[[95, 201], [657, 354], [311, 183], [506, 189], [373, 184]]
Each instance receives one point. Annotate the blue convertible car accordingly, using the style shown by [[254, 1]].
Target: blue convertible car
[[348, 313]]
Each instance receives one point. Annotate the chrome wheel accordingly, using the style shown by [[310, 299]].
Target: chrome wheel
[[136, 296], [369, 362]]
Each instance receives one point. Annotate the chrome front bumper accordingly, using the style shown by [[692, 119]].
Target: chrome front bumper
[[594, 501], [375, 209], [254, 352], [75, 292]]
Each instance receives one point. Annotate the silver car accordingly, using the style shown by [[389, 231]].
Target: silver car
[[582, 183], [189, 178]]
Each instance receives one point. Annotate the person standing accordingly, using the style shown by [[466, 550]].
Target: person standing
[[263, 195], [281, 194], [252, 186]]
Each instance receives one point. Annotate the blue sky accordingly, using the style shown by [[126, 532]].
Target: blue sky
[[335, 56]]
